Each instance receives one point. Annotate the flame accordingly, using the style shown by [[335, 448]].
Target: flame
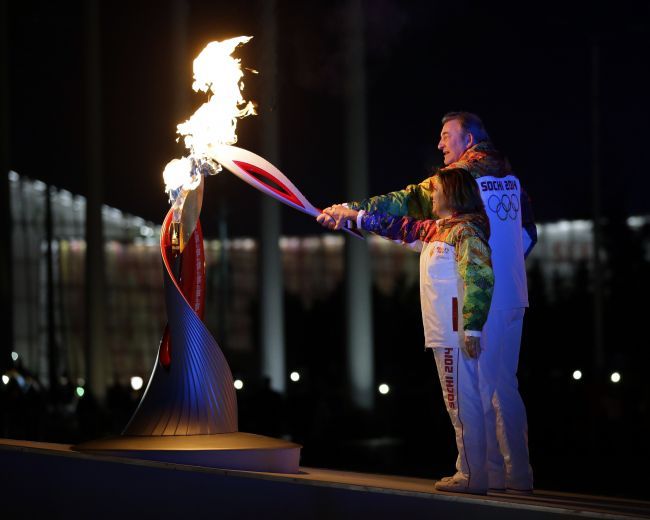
[[219, 75], [176, 175], [215, 122]]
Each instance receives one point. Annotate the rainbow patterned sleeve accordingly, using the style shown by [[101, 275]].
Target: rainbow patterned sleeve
[[473, 257], [403, 229], [413, 201]]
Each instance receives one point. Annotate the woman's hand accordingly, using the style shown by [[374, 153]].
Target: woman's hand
[[336, 216], [472, 346]]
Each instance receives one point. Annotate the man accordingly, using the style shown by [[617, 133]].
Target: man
[[465, 144]]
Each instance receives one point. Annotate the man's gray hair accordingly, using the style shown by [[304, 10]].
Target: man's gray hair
[[470, 123]]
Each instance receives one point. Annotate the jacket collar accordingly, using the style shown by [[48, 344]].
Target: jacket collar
[[482, 159]]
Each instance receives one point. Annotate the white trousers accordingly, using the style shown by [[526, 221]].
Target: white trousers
[[459, 378], [506, 425]]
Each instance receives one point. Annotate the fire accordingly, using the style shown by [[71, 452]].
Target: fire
[[175, 174], [219, 75]]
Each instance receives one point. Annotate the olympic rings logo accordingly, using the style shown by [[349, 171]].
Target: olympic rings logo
[[506, 206]]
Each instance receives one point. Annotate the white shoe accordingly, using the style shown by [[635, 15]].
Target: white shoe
[[456, 476], [458, 484]]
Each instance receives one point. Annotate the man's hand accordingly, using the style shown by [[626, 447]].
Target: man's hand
[[336, 216], [326, 220], [472, 346]]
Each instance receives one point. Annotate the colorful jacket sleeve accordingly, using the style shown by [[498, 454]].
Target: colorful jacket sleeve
[[413, 201], [407, 230], [473, 257]]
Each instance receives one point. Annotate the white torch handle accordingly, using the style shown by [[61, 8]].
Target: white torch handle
[[264, 176]]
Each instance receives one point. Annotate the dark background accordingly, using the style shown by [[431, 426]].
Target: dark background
[[526, 69]]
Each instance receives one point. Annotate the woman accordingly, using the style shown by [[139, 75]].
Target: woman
[[456, 284]]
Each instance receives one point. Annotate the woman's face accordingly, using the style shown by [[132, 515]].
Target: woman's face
[[439, 202]]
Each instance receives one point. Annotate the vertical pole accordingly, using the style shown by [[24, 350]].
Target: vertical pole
[[599, 351], [272, 297], [52, 348], [95, 345], [358, 288], [181, 70], [6, 254]]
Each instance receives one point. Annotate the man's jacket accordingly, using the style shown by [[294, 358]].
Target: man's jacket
[[513, 231], [415, 200]]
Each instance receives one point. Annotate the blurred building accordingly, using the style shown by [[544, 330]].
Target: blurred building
[[133, 295], [313, 269]]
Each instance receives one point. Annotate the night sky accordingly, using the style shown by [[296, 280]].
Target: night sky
[[525, 70]]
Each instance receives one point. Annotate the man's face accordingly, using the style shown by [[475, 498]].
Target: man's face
[[438, 200], [454, 141]]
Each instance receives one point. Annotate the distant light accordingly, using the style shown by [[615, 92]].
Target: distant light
[[615, 377], [39, 186], [577, 375], [5, 379], [295, 376], [636, 222], [384, 389], [14, 356], [136, 382], [146, 231], [80, 391], [239, 384]]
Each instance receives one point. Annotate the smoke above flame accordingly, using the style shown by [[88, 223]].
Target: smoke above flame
[[219, 74]]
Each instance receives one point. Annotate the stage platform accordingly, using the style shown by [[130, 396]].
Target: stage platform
[[53, 481]]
